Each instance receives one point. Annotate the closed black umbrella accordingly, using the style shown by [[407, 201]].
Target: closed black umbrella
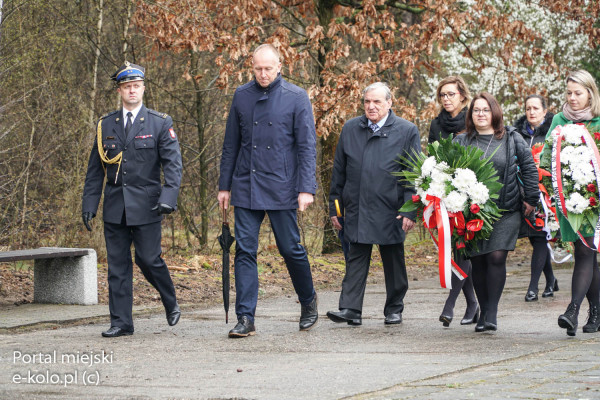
[[225, 240]]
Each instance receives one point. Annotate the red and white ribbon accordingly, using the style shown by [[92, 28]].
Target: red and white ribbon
[[435, 216]]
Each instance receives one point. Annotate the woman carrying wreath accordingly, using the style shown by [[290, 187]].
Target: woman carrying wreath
[[582, 105], [453, 96], [533, 127], [485, 130]]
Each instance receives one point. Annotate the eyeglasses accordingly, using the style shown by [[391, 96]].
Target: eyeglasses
[[482, 111], [449, 95]]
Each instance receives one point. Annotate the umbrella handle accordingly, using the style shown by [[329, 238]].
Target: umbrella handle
[[225, 216]]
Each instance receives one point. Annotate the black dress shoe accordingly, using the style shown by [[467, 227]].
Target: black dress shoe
[[467, 321], [445, 320], [531, 296], [309, 315], [568, 320], [393, 318], [550, 289], [345, 315], [244, 328], [173, 316], [115, 331]]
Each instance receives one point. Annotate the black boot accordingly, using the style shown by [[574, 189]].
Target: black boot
[[568, 320], [309, 315], [593, 322]]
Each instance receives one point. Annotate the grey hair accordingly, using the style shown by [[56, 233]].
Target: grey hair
[[377, 85]]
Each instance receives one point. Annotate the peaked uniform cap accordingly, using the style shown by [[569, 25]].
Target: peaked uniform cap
[[128, 72]]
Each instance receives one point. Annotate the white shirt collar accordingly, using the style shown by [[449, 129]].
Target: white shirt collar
[[133, 112]]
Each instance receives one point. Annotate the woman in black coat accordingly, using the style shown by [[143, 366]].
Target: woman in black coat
[[507, 150], [533, 127], [453, 96]]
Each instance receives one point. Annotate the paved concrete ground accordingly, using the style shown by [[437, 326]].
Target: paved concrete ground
[[529, 357]]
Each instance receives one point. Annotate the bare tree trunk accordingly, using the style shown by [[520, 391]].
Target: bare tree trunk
[[126, 30], [201, 149], [100, 8]]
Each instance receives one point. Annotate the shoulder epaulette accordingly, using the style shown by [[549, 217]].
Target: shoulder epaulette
[[162, 115], [109, 114]]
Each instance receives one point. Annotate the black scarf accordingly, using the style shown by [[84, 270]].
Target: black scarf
[[452, 125]]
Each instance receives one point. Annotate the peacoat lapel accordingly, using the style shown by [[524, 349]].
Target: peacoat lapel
[[118, 130]]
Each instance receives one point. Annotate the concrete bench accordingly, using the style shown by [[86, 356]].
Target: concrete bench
[[61, 275]]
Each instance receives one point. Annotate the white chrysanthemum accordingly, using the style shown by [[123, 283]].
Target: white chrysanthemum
[[572, 133], [463, 178], [441, 177], [576, 203], [437, 189], [428, 166], [441, 167], [455, 201], [583, 174], [566, 154], [553, 225], [478, 193]]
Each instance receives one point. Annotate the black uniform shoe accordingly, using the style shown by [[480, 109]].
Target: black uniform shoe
[[593, 322], [243, 328], [345, 315], [550, 289], [173, 316], [393, 318], [309, 315], [568, 320], [115, 331], [531, 296]]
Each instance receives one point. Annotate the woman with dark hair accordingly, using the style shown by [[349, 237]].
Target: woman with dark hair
[[533, 127], [507, 150], [582, 105], [453, 97]]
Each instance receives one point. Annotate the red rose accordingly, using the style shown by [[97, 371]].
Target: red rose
[[460, 245], [591, 188], [416, 198], [593, 201], [597, 135], [474, 208]]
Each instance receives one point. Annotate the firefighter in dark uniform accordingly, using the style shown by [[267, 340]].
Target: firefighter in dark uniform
[[131, 146]]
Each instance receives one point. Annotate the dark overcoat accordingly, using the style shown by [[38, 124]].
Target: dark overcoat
[[150, 145], [362, 179], [269, 152]]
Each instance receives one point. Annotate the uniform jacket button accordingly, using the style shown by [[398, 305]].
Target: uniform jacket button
[[255, 122], [270, 123], [268, 147]]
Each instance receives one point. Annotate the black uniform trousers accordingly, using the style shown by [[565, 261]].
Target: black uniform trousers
[[146, 240], [357, 270]]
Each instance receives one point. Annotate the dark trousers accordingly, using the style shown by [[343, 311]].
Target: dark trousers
[[357, 270], [146, 239], [287, 237]]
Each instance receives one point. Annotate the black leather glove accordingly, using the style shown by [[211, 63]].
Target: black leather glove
[[87, 218], [163, 209]]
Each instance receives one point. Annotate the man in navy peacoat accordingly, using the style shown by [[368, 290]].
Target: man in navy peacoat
[[132, 146], [268, 166], [368, 152]]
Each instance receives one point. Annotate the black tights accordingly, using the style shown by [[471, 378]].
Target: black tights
[[586, 276], [540, 261], [489, 276], [466, 285]]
